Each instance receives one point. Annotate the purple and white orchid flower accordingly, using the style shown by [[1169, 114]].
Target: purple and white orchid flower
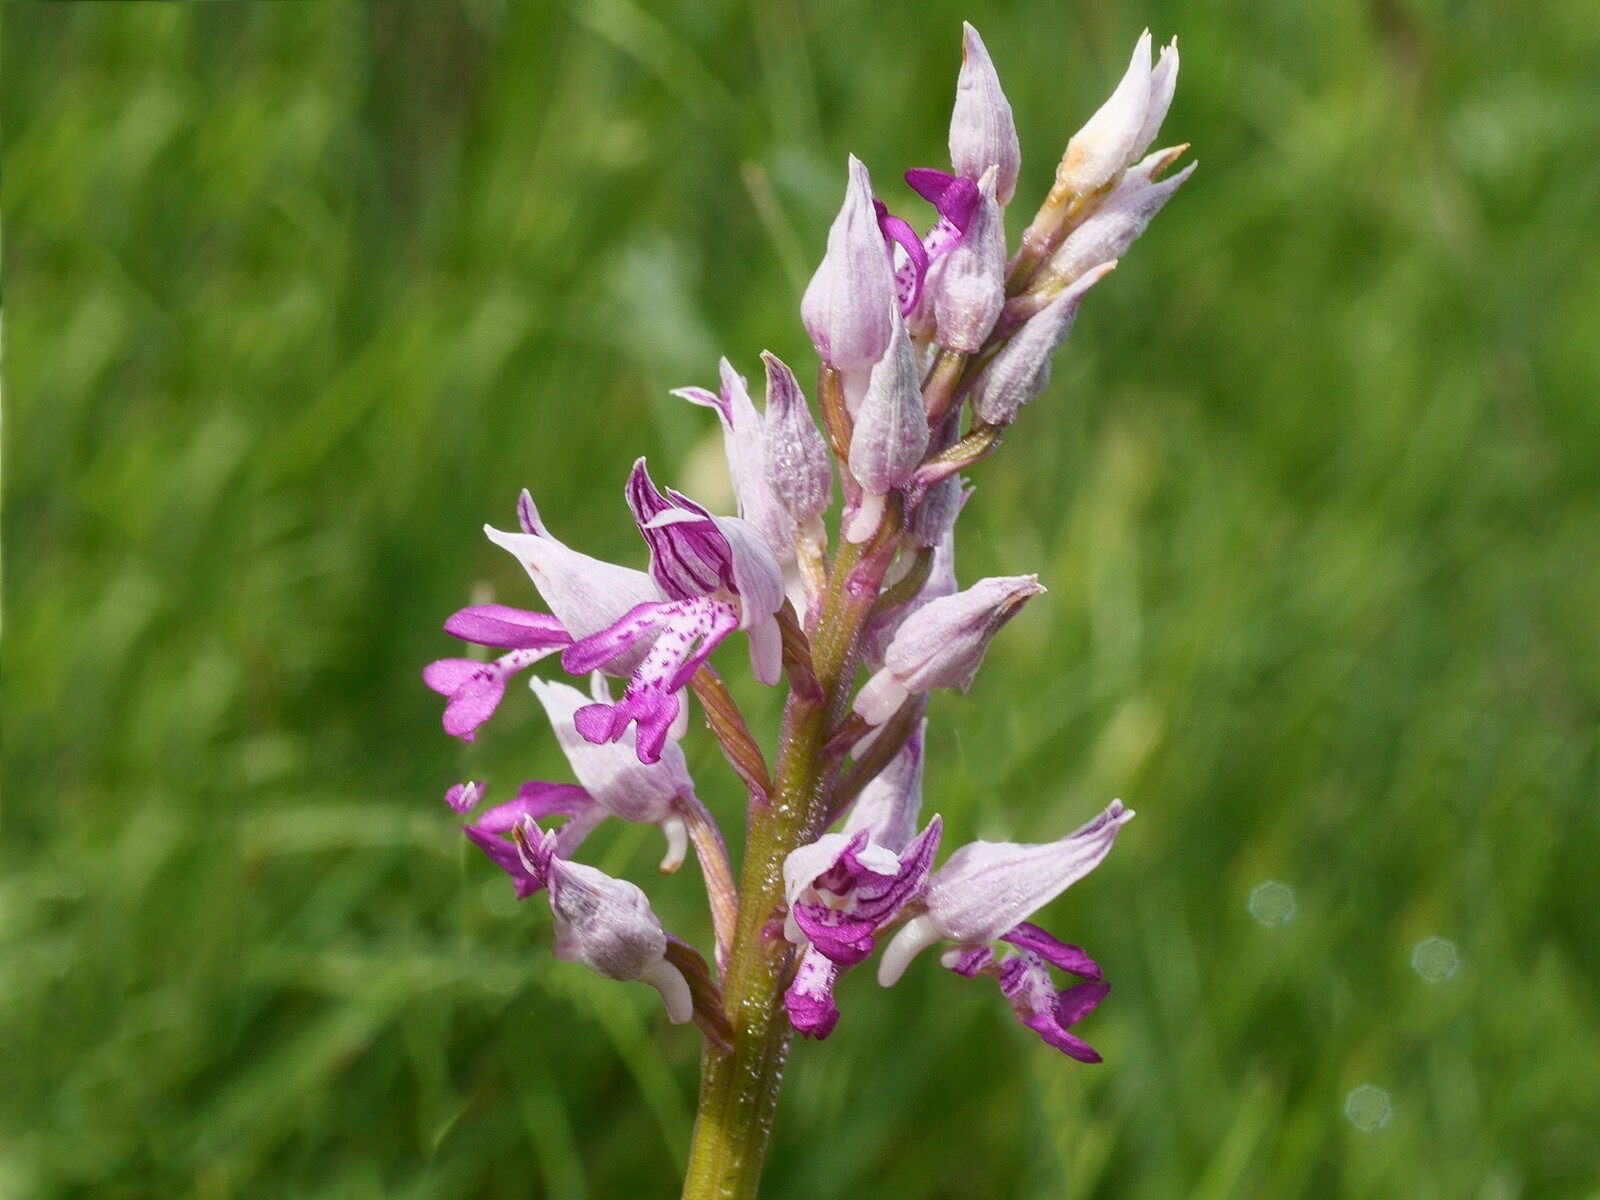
[[584, 594], [845, 886], [983, 894], [841, 889], [718, 576]]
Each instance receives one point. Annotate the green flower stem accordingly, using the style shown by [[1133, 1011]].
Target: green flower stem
[[739, 1089]]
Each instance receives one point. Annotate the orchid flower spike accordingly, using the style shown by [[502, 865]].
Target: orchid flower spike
[[985, 893], [983, 134], [744, 437], [718, 576], [930, 344], [942, 644], [1125, 125], [841, 889], [849, 305]]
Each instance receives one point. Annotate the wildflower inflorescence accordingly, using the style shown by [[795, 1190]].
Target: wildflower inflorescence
[[930, 345]]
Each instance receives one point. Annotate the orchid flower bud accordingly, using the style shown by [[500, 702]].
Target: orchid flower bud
[[1022, 368], [604, 923], [1109, 140], [983, 133], [849, 305], [1108, 232], [969, 289], [942, 644], [796, 460], [891, 432]]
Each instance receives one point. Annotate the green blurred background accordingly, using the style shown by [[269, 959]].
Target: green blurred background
[[298, 295]]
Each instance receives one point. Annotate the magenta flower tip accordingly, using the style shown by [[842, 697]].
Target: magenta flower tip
[[464, 797]]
